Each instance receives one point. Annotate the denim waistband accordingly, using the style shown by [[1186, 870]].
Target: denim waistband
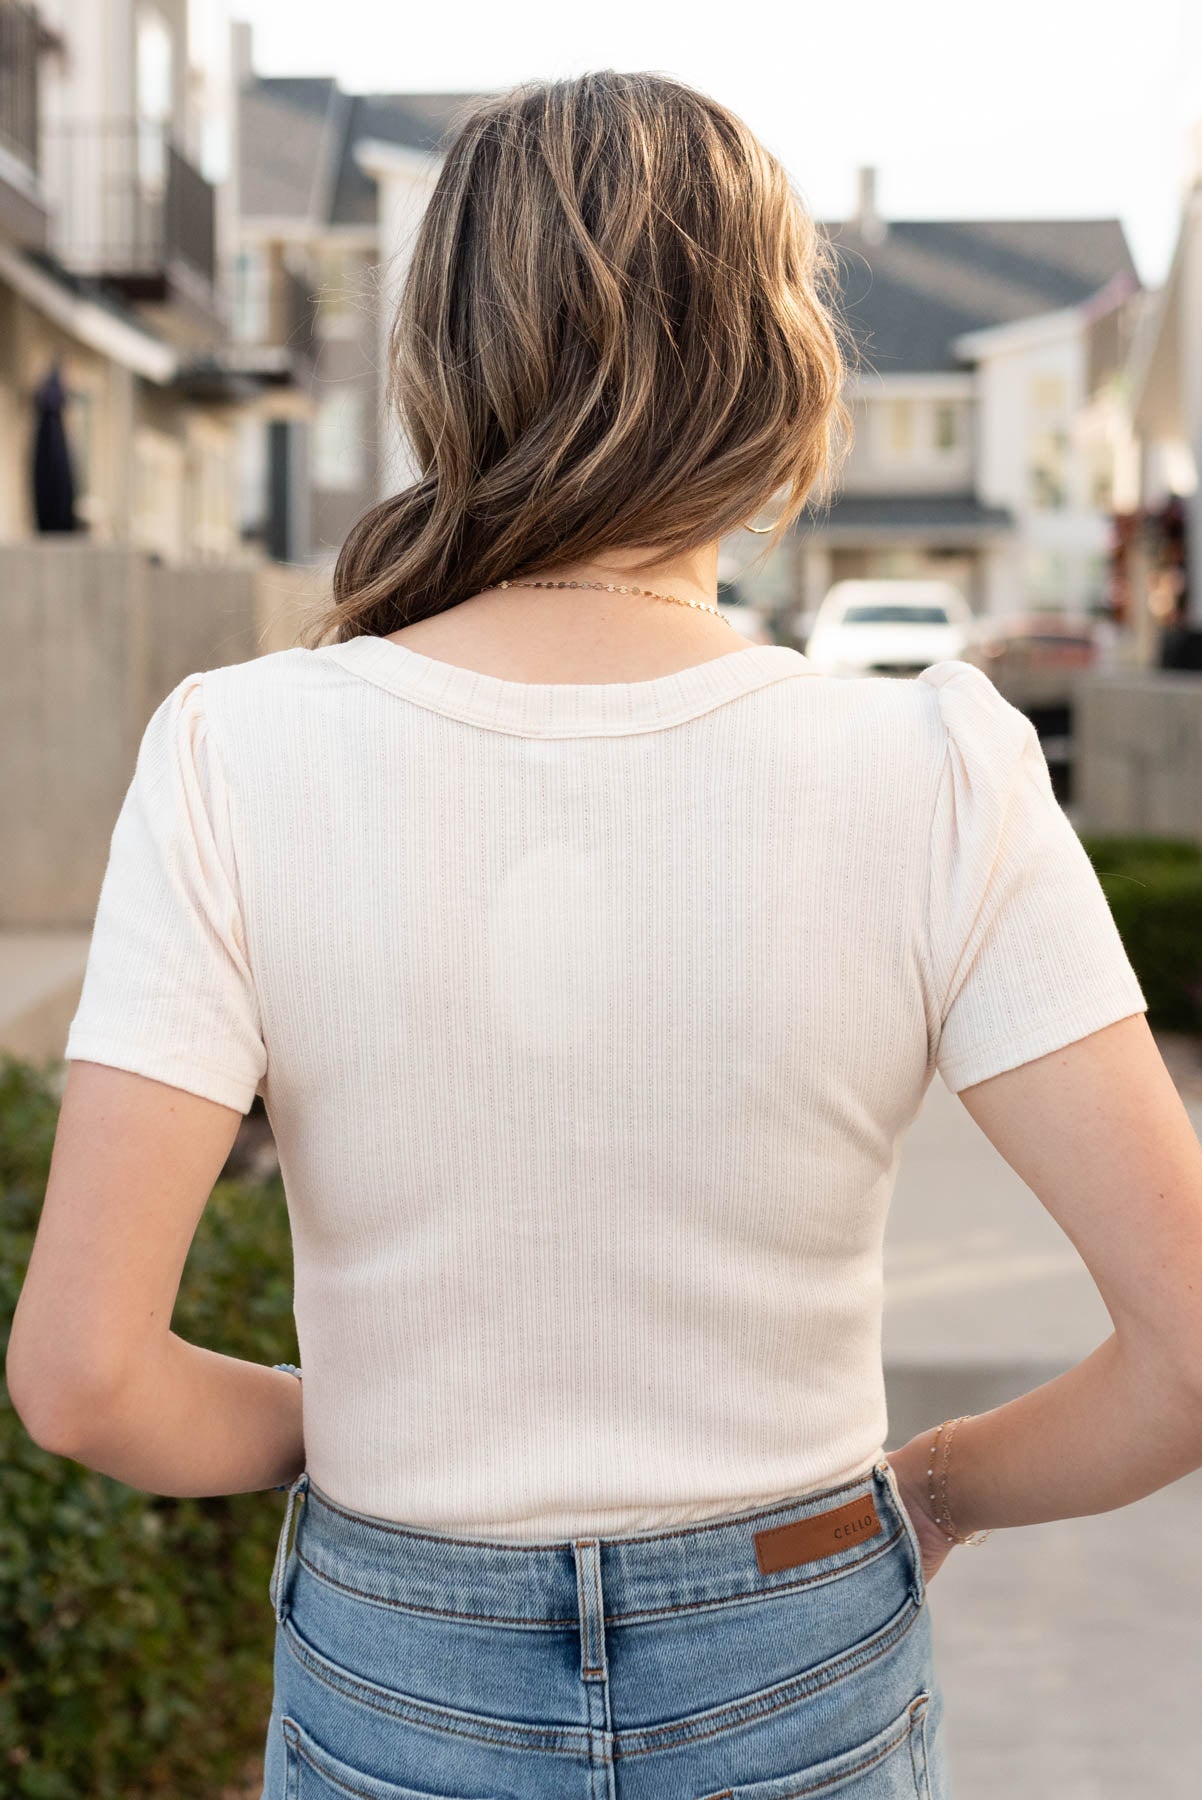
[[639, 1573]]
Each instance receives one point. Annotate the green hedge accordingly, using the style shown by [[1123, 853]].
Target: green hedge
[[136, 1631], [1154, 886]]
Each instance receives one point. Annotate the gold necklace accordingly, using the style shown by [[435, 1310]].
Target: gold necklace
[[609, 587]]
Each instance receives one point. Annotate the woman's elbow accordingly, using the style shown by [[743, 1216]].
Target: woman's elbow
[[61, 1398]]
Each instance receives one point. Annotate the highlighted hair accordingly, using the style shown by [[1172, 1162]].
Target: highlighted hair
[[617, 330]]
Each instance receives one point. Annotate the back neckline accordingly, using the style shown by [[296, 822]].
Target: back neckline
[[560, 708]]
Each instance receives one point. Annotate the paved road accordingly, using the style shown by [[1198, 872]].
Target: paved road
[[1070, 1654]]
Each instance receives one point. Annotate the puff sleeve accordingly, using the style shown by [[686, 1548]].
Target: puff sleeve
[[167, 989], [1024, 955]]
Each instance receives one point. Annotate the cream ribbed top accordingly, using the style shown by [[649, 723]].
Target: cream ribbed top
[[589, 1020]]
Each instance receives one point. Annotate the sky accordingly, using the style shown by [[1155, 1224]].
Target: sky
[[1034, 109]]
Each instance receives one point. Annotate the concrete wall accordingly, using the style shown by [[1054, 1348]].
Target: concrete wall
[[92, 638], [1137, 758]]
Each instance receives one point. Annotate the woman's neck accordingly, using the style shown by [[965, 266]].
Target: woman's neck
[[586, 635]]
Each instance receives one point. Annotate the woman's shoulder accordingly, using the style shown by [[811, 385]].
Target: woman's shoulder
[[972, 713], [269, 669], [251, 689]]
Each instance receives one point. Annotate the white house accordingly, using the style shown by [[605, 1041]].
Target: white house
[[1166, 416], [982, 452]]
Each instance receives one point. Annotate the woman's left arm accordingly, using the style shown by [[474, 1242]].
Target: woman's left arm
[[93, 1368]]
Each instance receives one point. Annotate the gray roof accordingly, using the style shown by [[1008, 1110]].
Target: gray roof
[[958, 517], [907, 298], [298, 137], [415, 121], [283, 141]]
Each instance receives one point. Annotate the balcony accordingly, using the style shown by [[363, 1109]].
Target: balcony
[[22, 40], [273, 318], [131, 211]]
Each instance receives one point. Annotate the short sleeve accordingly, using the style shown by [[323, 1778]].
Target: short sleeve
[[1024, 953], [167, 989]]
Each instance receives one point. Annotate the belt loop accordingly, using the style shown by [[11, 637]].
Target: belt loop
[[590, 1606], [297, 1490]]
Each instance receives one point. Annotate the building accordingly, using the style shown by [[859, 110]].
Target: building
[[984, 450], [331, 187], [1164, 527], [114, 124]]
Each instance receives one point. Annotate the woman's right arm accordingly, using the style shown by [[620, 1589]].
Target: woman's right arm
[[1099, 1133]]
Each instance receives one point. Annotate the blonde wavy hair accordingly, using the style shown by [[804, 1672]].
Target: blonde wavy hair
[[618, 329]]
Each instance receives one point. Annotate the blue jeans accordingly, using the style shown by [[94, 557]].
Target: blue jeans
[[777, 1653]]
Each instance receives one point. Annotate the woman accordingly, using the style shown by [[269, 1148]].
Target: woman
[[591, 964]]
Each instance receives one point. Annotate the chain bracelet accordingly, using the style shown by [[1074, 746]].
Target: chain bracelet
[[937, 1485], [289, 1369]]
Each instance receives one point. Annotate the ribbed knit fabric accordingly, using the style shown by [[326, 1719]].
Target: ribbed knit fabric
[[589, 1020]]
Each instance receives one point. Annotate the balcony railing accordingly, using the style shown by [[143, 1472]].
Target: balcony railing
[[272, 306], [129, 207], [20, 42]]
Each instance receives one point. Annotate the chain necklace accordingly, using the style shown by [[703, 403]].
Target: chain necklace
[[609, 587]]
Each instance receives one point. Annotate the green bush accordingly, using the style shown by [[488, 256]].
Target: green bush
[[136, 1631], [1154, 886], [1117, 852]]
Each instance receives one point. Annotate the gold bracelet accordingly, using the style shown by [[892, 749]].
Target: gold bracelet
[[940, 1509]]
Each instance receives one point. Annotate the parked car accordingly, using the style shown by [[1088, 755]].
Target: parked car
[[1032, 658], [889, 627]]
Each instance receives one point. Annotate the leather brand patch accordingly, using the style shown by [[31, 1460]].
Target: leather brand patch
[[822, 1534]]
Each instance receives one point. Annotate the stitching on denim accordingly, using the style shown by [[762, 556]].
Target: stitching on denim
[[587, 1668], [801, 1687], [918, 1743], [291, 1769], [578, 1740], [816, 1787], [297, 1750], [430, 1612], [599, 1668], [744, 1598], [566, 1739]]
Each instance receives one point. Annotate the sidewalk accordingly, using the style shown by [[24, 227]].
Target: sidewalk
[[1070, 1654]]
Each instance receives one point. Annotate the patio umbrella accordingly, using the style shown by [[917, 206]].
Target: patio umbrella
[[53, 480]]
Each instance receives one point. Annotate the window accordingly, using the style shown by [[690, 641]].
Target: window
[[1048, 453], [211, 488], [157, 476], [249, 321], [1048, 469], [901, 427], [252, 476], [153, 74], [1101, 477], [336, 291], [339, 462], [895, 614], [946, 423]]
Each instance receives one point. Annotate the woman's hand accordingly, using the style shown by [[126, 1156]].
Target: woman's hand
[[910, 1465]]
